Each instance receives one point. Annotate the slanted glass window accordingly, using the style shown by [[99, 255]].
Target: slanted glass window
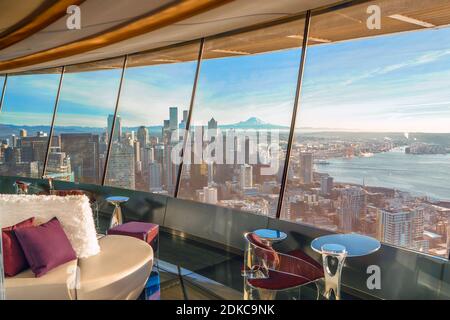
[[241, 117], [151, 119], [25, 121], [372, 141], [88, 97]]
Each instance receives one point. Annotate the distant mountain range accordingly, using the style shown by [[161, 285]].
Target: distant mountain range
[[9, 129]]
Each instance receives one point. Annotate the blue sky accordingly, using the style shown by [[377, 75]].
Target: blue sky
[[390, 83]]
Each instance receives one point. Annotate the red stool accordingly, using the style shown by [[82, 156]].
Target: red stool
[[148, 232]]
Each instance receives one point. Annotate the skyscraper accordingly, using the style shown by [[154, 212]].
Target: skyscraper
[[352, 205], [23, 133], [173, 118], [121, 166], [117, 129], [326, 184], [155, 176], [83, 150], [142, 136], [395, 227], [306, 167]]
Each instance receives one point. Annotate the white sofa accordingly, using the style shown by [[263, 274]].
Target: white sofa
[[114, 267]]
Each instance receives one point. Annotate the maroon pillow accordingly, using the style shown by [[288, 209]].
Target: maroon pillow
[[13, 256], [45, 246]]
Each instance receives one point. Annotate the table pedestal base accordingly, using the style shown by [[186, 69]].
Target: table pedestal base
[[333, 261]]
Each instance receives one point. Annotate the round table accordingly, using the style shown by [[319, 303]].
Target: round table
[[335, 248], [117, 217], [270, 236]]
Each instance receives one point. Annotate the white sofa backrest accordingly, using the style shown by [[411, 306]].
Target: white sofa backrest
[[73, 212]]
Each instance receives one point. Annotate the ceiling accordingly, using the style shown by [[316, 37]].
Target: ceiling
[[98, 19], [33, 33]]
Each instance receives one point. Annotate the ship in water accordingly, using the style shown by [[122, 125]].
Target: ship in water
[[321, 162]]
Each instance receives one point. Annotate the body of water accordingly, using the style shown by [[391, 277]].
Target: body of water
[[418, 174]]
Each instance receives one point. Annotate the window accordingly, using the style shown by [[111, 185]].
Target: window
[[152, 115], [372, 142], [241, 117], [25, 121], [88, 97]]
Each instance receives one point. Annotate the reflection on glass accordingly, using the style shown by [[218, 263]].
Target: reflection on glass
[[80, 138], [25, 121], [372, 144], [151, 118], [240, 122]]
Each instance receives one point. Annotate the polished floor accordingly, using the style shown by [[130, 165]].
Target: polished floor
[[190, 270]]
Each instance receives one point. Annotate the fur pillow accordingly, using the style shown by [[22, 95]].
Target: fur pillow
[[73, 212]]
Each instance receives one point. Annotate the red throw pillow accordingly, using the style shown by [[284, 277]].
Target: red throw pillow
[[13, 256], [45, 246]]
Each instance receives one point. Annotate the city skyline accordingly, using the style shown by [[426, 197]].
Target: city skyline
[[403, 90]]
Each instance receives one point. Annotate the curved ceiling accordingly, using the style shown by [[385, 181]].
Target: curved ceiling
[[114, 28], [98, 20]]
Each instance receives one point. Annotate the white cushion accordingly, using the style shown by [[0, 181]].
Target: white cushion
[[73, 212]]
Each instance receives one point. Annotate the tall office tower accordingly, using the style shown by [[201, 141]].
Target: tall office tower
[[23, 133], [137, 150], [352, 205], [212, 130], [169, 168], [14, 141], [306, 167], [41, 134], [166, 132], [246, 176], [142, 136], [395, 227], [148, 157], [326, 185], [12, 155], [34, 148], [83, 150], [121, 166], [183, 123], [117, 128], [155, 171], [173, 118], [212, 124]]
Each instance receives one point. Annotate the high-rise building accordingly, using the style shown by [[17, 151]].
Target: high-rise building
[[326, 184], [173, 118], [395, 227], [352, 203], [83, 150], [23, 133], [121, 166], [117, 128], [142, 136], [306, 167], [246, 176], [155, 171]]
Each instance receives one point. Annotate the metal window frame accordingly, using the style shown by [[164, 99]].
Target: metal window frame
[[298, 92], [116, 109], [52, 125], [5, 81], [188, 121]]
